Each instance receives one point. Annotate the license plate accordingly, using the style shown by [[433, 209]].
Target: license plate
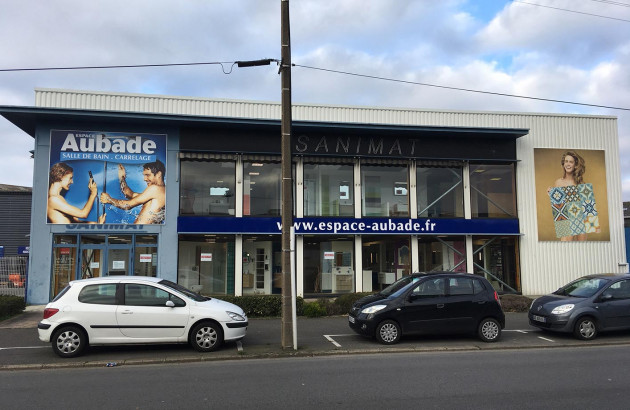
[[539, 318], [350, 319]]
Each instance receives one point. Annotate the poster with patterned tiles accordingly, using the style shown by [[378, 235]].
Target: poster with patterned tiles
[[574, 210]]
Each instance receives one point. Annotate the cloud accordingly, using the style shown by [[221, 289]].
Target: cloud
[[503, 47]]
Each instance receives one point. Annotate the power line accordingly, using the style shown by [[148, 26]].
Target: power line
[[460, 89], [248, 63], [570, 11], [614, 3], [221, 63]]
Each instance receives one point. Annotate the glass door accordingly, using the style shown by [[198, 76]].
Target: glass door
[[119, 251], [92, 262], [91, 256]]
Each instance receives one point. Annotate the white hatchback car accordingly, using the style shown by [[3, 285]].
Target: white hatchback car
[[134, 309]]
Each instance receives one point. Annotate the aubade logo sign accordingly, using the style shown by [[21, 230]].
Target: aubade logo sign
[[101, 147]]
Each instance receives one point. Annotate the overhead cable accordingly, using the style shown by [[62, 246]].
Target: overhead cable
[[460, 89]]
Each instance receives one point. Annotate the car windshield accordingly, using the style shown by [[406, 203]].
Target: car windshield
[[398, 285], [582, 288], [193, 295]]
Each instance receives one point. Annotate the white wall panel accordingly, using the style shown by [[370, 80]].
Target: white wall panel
[[544, 265]]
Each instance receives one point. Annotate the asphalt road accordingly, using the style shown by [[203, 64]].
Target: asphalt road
[[564, 378], [20, 347]]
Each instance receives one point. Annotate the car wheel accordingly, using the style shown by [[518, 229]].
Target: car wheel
[[585, 328], [69, 341], [388, 332], [489, 330], [206, 336]]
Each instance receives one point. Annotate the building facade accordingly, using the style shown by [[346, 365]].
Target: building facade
[[189, 190]]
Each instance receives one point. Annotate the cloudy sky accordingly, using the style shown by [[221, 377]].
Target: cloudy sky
[[580, 53]]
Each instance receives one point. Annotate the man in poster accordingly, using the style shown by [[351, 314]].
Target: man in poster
[[152, 199], [59, 210]]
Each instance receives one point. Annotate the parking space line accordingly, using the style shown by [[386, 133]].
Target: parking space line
[[549, 340], [331, 340], [23, 347], [239, 346]]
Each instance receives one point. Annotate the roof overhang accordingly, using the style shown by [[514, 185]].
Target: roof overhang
[[28, 118]]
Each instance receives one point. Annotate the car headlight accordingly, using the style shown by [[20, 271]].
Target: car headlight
[[235, 316], [562, 309], [373, 309]]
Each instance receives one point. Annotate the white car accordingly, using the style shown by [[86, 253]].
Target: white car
[[137, 309]]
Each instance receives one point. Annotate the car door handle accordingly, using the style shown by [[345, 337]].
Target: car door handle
[[126, 312], [481, 302], [440, 305]]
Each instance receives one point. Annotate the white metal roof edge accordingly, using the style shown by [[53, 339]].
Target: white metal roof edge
[[314, 105]]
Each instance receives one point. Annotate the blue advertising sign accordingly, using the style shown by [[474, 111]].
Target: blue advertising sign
[[106, 178], [23, 250], [351, 226]]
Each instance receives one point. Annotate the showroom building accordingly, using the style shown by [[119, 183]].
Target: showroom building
[[188, 189]]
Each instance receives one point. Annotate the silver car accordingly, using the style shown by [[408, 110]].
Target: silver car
[[585, 307]]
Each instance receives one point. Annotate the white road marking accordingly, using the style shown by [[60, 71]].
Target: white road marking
[[331, 340], [519, 331], [239, 346], [549, 340], [24, 347]]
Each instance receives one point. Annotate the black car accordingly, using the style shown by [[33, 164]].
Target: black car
[[585, 307], [425, 303]]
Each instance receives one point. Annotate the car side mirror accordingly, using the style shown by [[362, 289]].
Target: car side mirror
[[170, 303], [606, 297]]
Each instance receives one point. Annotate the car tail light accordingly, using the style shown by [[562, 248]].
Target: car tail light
[[48, 312], [496, 297]]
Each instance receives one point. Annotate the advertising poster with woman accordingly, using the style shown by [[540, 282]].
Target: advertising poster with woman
[[106, 178], [571, 195]]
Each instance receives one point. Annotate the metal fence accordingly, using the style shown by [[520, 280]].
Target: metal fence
[[13, 275]]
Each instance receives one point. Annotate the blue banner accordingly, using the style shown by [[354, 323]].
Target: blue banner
[[350, 226]]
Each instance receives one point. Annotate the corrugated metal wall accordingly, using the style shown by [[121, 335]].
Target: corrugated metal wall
[[15, 221], [544, 265]]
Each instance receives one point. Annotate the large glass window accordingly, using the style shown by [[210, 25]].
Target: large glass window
[[206, 263], [328, 190], [328, 264], [440, 192], [207, 188], [442, 254], [492, 191], [386, 258], [262, 184], [384, 190], [496, 259], [262, 264]]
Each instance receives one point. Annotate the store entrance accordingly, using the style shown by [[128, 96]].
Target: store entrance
[[93, 255]]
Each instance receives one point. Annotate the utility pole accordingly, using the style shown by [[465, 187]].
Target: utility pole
[[287, 180]]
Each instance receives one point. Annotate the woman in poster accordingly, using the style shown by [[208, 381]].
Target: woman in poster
[[574, 168], [59, 210]]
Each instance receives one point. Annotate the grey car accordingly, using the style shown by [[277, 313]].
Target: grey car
[[585, 307]]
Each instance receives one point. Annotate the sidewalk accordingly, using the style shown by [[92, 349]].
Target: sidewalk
[[27, 319]]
